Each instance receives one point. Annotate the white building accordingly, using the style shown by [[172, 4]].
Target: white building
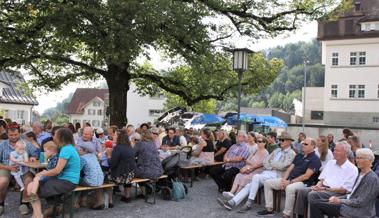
[[14, 103], [350, 53], [87, 106], [90, 105]]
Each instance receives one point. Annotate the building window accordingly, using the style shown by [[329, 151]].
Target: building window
[[155, 113], [76, 121], [96, 103], [91, 111], [100, 112], [317, 115], [20, 115], [362, 58], [375, 119], [353, 58], [335, 59], [334, 91], [95, 123], [361, 91], [86, 121], [356, 91]]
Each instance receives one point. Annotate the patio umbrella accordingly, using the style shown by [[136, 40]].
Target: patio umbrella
[[272, 121], [208, 119], [248, 118]]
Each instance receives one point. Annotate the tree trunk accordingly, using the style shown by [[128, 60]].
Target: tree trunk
[[118, 86]]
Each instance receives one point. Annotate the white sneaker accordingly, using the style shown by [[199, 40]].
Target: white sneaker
[[228, 195]]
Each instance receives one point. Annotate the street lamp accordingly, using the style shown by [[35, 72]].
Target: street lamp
[[305, 87], [240, 64]]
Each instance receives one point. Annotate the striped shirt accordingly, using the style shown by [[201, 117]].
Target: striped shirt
[[237, 150]]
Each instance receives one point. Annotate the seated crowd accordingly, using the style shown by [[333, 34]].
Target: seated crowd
[[333, 178]]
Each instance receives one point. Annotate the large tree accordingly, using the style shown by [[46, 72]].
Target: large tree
[[60, 41]]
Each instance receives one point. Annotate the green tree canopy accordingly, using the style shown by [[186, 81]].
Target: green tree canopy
[[60, 41]]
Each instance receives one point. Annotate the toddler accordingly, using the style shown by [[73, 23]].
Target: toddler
[[17, 157], [51, 153]]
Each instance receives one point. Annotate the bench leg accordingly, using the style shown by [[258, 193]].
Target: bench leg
[[192, 177], [71, 206]]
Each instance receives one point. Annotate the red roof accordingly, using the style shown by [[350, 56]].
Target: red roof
[[82, 96]]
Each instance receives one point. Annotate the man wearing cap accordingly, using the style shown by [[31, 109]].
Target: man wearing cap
[[88, 136], [101, 137], [298, 175], [275, 165]]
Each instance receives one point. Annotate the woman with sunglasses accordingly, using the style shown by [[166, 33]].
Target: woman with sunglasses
[[254, 165]]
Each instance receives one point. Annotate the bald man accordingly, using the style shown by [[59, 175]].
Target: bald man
[[88, 136]]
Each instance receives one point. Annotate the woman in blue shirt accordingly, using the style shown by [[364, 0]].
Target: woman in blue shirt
[[64, 177]]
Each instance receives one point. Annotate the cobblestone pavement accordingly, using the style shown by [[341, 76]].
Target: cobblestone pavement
[[201, 202]]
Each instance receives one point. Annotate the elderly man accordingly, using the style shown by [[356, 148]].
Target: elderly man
[[275, 165], [40, 134], [360, 202], [337, 178], [6, 147], [234, 160], [298, 175], [88, 136]]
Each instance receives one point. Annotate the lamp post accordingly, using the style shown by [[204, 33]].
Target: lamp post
[[305, 87], [240, 65]]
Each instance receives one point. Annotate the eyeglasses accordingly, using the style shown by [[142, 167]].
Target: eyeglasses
[[306, 144], [260, 141]]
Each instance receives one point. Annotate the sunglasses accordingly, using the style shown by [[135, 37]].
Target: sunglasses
[[306, 144], [283, 140], [260, 141], [155, 133]]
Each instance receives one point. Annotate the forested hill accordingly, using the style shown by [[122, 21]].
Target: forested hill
[[289, 82]]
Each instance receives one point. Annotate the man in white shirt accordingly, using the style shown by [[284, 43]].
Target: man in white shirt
[[337, 178]]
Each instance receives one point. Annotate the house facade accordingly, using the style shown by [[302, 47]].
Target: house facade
[[350, 53], [87, 106], [15, 104], [90, 105]]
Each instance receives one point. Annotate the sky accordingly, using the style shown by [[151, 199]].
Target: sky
[[306, 33]]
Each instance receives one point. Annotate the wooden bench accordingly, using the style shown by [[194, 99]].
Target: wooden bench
[[192, 168], [71, 196], [152, 182]]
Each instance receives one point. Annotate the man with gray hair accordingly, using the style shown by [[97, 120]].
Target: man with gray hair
[[88, 136], [336, 179], [40, 134], [234, 160]]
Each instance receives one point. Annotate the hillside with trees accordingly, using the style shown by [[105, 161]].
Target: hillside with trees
[[288, 84]]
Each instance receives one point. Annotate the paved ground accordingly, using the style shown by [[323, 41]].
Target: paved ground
[[201, 202]]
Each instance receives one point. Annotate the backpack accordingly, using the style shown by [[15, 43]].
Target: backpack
[[178, 190]]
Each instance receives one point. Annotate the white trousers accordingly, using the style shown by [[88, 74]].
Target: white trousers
[[251, 189]]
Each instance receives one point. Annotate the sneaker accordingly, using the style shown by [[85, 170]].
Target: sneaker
[[266, 213], [244, 209], [1, 210], [228, 195], [224, 204], [23, 208]]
